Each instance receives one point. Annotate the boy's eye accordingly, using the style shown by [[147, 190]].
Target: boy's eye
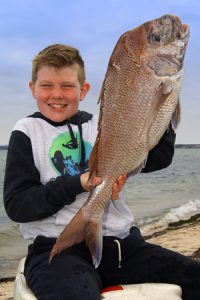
[[67, 85], [46, 85]]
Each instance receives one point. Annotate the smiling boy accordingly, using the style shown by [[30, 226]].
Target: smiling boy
[[58, 91], [46, 182]]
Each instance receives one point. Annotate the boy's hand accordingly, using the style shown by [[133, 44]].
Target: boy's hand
[[117, 186], [87, 186]]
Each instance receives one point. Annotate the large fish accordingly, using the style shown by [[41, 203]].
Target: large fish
[[139, 98]]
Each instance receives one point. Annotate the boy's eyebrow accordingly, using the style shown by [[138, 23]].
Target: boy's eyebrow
[[51, 81]]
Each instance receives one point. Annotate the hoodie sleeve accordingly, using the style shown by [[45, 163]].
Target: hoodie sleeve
[[26, 199], [162, 154]]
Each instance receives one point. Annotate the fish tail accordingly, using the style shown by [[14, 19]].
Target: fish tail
[[83, 227], [93, 240]]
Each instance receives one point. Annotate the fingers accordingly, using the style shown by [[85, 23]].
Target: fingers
[[84, 180], [95, 181], [89, 184], [118, 186]]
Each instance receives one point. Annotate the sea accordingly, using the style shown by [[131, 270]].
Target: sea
[[157, 199]]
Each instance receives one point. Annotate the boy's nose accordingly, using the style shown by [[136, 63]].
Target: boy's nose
[[57, 93]]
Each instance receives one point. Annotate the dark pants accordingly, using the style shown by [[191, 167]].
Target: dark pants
[[71, 276]]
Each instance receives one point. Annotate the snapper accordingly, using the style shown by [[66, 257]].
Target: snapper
[[138, 100]]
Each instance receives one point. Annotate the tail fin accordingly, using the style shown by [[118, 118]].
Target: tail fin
[[83, 227]]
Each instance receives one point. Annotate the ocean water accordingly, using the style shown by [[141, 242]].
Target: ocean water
[[156, 199], [166, 196]]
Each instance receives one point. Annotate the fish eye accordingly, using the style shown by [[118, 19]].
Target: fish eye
[[156, 37]]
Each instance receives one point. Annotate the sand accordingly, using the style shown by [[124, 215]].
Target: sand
[[183, 238], [6, 290]]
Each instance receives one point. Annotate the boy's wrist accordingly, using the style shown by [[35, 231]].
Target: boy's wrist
[[73, 185]]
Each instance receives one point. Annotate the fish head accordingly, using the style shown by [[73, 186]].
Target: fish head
[[143, 82], [159, 44]]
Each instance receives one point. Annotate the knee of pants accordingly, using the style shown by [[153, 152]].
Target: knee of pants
[[67, 277]]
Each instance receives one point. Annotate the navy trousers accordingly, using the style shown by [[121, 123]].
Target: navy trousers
[[71, 275]]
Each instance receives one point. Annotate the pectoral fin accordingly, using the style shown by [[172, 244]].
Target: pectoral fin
[[166, 87], [163, 91]]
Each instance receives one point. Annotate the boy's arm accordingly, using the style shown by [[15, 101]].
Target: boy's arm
[[26, 199], [161, 155]]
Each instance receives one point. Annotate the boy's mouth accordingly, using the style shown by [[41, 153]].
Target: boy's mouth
[[54, 105]]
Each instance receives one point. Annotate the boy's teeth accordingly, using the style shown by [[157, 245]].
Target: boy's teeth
[[57, 105]]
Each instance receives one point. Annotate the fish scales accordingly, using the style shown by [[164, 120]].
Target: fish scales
[[138, 100]]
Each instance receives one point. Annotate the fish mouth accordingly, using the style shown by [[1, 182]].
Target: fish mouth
[[168, 37], [168, 29], [181, 31], [181, 37]]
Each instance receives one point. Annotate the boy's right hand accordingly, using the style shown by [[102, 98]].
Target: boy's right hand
[[88, 185]]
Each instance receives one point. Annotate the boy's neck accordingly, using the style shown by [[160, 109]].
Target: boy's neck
[[79, 118]]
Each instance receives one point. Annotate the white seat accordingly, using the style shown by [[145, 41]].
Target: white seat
[[21, 290], [145, 291]]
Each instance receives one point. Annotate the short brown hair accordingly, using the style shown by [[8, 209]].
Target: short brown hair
[[58, 55]]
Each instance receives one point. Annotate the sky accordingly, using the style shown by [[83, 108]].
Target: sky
[[28, 26]]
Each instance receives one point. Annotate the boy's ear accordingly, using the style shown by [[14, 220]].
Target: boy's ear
[[84, 90], [32, 88]]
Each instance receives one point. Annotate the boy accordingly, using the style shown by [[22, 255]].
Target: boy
[[46, 183]]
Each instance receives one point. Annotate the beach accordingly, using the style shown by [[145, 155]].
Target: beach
[[183, 237]]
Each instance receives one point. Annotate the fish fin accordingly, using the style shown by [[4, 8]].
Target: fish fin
[[93, 156], [176, 116], [101, 95], [164, 90], [94, 241], [138, 169], [72, 234], [82, 227], [166, 87], [93, 161]]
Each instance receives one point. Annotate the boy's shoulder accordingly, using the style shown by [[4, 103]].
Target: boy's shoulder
[[21, 123]]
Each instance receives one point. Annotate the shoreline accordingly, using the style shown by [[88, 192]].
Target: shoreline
[[182, 237]]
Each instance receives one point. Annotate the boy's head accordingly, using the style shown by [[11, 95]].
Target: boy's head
[[58, 82], [58, 56]]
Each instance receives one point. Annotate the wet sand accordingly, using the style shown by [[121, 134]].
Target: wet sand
[[183, 237]]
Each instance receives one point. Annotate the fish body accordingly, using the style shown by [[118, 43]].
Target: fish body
[[138, 100]]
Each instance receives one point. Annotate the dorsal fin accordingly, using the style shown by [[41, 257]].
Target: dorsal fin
[[93, 161], [93, 156]]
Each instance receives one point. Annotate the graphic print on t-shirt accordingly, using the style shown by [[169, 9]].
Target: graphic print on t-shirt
[[65, 154]]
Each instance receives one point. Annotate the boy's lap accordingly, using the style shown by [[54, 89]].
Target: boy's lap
[[68, 275]]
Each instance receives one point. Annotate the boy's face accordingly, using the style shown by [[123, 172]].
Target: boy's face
[[58, 92]]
